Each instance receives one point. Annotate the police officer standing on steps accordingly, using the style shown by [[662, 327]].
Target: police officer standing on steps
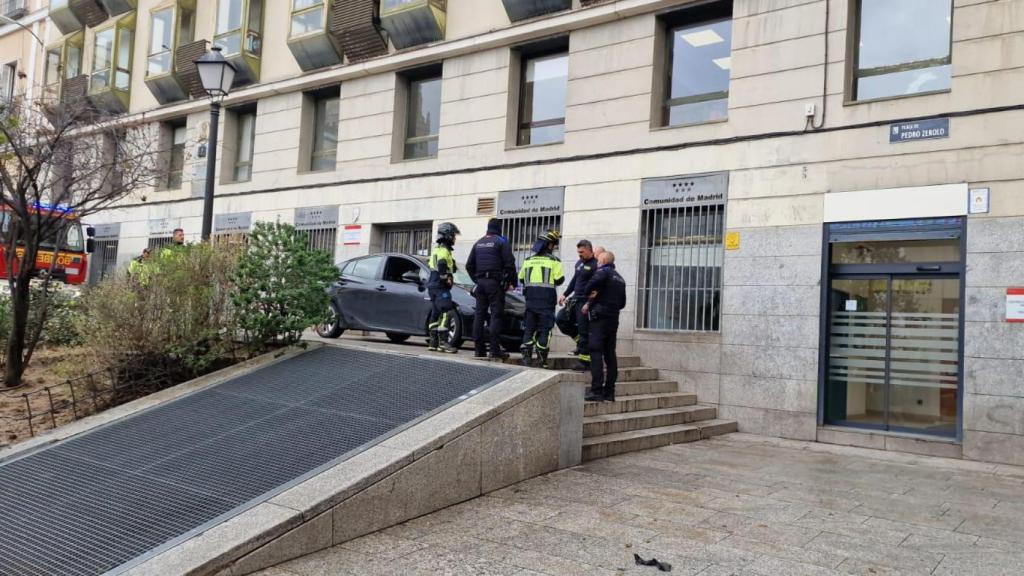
[[439, 287], [571, 320], [606, 297], [541, 275], [492, 266]]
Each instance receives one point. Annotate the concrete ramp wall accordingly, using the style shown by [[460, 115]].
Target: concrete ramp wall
[[525, 426]]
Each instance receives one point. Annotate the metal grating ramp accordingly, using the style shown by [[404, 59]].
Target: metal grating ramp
[[107, 499]]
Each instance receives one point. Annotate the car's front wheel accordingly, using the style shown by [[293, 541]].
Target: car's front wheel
[[331, 327], [396, 337], [455, 336]]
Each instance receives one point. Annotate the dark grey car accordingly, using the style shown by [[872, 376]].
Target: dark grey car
[[388, 293]]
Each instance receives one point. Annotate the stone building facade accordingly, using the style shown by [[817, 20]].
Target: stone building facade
[[787, 184]]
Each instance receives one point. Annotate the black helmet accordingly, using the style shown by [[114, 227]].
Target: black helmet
[[551, 236], [447, 232]]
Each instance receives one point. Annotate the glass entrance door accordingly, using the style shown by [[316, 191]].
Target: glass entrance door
[[892, 350], [894, 360]]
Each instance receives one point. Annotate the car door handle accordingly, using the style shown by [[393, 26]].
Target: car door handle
[[382, 288]]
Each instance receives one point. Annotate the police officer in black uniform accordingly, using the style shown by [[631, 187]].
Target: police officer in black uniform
[[606, 297], [492, 266], [571, 319]]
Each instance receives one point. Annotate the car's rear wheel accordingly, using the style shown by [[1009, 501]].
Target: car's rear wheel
[[331, 327], [396, 337]]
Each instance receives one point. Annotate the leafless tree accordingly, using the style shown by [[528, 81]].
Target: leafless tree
[[61, 160]]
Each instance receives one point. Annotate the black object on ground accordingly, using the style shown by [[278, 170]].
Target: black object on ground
[[662, 566]]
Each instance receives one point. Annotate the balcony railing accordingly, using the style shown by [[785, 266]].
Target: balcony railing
[[118, 7], [522, 9], [166, 73], [357, 24], [13, 9], [414, 22]]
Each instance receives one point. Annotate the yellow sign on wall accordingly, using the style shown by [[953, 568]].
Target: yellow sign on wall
[[732, 241]]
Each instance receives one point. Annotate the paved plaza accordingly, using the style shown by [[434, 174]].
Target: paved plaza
[[736, 505]]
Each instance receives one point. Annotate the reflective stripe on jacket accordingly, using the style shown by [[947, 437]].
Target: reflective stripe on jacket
[[540, 275]]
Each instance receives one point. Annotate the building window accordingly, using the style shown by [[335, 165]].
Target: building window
[[161, 41], [231, 14], [51, 76], [8, 80], [102, 58], [176, 161], [325, 132], [697, 65], [307, 17], [902, 48], [422, 113], [73, 56], [545, 80], [246, 125], [681, 254]]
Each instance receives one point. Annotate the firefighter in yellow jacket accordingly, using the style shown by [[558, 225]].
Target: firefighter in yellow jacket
[[540, 276]]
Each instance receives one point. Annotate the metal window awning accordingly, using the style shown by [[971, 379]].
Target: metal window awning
[[108, 499]]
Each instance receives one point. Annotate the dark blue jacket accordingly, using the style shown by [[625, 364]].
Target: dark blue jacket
[[611, 291], [491, 257], [585, 270]]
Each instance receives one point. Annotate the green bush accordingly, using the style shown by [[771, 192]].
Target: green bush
[[175, 315], [61, 323], [280, 286]]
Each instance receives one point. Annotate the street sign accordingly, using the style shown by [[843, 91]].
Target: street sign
[[228, 223], [920, 130], [535, 202]]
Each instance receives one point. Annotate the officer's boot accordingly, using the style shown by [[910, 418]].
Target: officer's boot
[[444, 346], [527, 351], [542, 357], [432, 345]]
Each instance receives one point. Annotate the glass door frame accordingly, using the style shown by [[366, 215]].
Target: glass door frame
[[890, 272]]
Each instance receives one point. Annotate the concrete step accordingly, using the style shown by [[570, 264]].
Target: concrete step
[[565, 362], [612, 444], [625, 375], [639, 402], [643, 387], [629, 421]]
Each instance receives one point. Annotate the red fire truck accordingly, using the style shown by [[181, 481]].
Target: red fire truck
[[72, 264]]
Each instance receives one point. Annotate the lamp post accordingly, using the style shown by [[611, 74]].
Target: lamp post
[[216, 75]]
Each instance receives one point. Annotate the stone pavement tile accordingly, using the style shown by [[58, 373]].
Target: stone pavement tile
[[902, 559], [523, 558], [384, 546], [275, 571], [932, 516], [994, 526], [708, 553], [823, 559], [1000, 545], [751, 528], [337, 561], [679, 530], [851, 526], [831, 499], [432, 561], [470, 522], [987, 562], [923, 537], [665, 510], [525, 511], [598, 527], [959, 497], [771, 566], [765, 509], [565, 488], [646, 482], [861, 568]]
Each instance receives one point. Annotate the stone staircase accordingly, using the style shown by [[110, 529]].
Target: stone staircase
[[647, 413]]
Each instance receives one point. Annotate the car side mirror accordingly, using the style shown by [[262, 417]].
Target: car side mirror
[[90, 231], [90, 245], [411, 277]]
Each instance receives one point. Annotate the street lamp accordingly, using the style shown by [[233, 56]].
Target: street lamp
[[216, 75]]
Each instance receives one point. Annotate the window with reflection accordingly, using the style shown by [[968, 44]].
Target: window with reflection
[[123, 72], [176, 161], [325, 133], [161, 41], [230, 35], [73, 58], [542, 98], [423, 116], [52, 73], [903, 48], [307, 17], [698, 64], [246, 138], [102, 60]]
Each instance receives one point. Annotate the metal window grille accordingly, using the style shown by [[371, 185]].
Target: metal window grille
[[231, 238], [523, 231], [681, 256], [407, 241], [323, 239], [158, 242], [104, 262]]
